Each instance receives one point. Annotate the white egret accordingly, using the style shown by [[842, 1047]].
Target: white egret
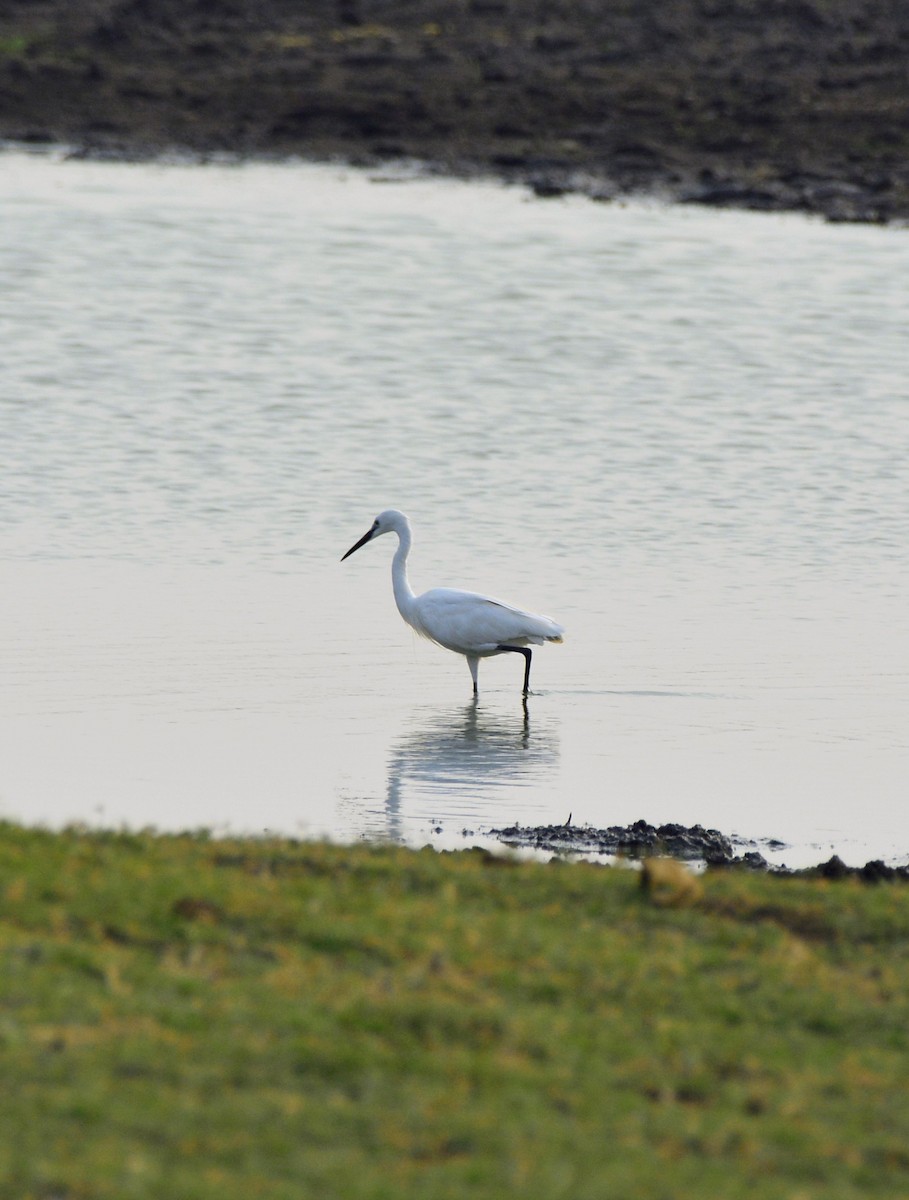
[[465, 622]]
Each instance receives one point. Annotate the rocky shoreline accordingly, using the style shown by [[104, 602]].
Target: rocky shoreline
[[784, 105], [690, 843]]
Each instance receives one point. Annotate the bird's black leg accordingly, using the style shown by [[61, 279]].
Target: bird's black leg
[[473, 662], [527, 657]]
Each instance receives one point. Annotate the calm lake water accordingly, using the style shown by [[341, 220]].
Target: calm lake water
[[683, 434]]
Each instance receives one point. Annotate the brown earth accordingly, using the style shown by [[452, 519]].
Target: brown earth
[[776, 104]]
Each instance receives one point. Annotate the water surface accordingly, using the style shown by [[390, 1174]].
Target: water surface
[[682, 433]]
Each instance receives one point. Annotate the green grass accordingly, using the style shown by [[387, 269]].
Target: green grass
[[14, 45], [193, 1018]]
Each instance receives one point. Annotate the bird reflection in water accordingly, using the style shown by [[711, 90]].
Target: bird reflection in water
[[459, 761]]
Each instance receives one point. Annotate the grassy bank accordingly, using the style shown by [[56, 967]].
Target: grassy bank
[[192, 1018]]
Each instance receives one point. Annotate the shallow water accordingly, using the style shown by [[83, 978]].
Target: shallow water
[[682, 433]]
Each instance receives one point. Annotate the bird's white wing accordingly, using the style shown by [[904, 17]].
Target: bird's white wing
[[473, 624]]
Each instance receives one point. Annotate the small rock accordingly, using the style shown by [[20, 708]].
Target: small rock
[[833, 868]]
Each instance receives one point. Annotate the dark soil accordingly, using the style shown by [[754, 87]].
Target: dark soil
[[766, 104], [637, 840], [689, 842]]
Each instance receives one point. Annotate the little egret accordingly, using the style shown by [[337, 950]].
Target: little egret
[[465, 622]]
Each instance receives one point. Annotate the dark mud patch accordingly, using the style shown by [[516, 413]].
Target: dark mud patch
[[875, 871], [689, 843], [790, 104]]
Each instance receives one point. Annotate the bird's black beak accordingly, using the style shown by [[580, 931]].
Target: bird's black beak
[[362, 542]]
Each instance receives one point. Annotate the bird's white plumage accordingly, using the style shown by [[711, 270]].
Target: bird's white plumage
[[468, 623]]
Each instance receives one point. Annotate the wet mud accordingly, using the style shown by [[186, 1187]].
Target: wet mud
[[691, 843], [772, 105]]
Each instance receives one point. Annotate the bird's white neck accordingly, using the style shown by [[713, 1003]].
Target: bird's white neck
[[404, 595]]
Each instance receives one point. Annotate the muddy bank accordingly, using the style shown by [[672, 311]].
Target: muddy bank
[[777, 104], [691, 843]]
